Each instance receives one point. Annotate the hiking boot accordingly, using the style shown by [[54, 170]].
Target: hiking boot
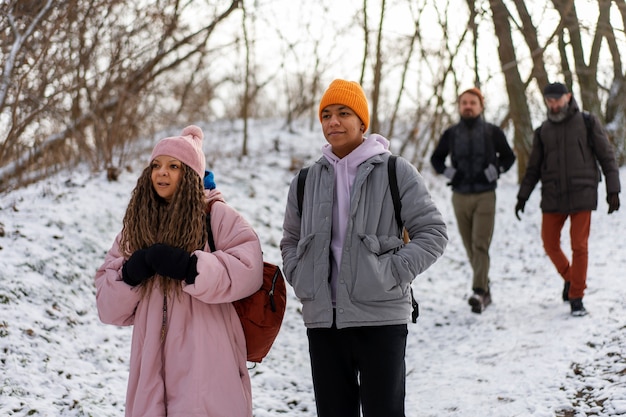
[[479, 301], [566, 291], [578, 309]]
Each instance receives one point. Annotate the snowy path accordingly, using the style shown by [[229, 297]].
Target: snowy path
[[524, 356]]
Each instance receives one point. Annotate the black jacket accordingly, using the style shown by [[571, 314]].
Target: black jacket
[[564, 159], [472, 147]]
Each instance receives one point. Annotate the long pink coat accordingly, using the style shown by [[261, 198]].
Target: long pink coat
[[200, 368]]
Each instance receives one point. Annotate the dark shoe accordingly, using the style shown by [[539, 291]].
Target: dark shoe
[[479, 301], [578, 309], [566, 291]]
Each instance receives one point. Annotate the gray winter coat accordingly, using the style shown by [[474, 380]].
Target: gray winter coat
[[564, 160], [377, 268]]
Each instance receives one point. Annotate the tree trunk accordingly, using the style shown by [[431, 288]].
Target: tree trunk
[[516, 89], [378, 68]]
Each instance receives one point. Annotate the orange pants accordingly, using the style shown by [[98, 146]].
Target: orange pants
[[575, 271]]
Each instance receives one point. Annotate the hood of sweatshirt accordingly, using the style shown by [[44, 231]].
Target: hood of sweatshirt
[[375, 144], [346, 167]]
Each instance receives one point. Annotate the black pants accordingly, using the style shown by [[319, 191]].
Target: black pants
[[359, 366]]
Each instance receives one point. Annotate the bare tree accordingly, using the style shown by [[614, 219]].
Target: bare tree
[[515, 86], [586, 70], [85, 82], [378, 69], [433, 112], [81, 79], [471, 4], [576, 66], [366, 43], [245, 102], [615, 115], [24, 101], [405, 69]]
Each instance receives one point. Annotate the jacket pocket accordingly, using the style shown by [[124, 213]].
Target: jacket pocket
[[375, 278], [588, 181], [303, 281]]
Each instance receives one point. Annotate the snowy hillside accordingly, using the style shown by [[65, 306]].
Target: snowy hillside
[[524, 356]]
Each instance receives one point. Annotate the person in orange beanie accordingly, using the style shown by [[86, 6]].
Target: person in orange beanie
[[345, 258]]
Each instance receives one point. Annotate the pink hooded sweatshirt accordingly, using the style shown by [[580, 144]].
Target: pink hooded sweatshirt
[[200, 367]]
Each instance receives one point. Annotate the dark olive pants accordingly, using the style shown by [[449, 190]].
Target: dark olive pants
[[475, 215], [359, 367]]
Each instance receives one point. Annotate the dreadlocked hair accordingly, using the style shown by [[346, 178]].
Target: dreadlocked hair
[[149, 219]]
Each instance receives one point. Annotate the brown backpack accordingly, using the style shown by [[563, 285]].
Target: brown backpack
[[261, 314]]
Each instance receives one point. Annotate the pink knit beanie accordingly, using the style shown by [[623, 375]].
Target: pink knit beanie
[[187, 148]]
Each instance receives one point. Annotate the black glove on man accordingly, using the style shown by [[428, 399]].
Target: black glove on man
[[456, 179], [173, 262], [519, 207], [136, 269], [613, 200]]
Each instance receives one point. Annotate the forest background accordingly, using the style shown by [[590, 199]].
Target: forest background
[[85, 80]]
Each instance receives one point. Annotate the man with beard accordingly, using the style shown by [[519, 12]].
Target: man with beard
[[479, 153], [565, 149]]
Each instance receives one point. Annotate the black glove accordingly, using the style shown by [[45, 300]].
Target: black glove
[[136, 269], [519, 207], [613, 200], [456, 179], [173, 262]]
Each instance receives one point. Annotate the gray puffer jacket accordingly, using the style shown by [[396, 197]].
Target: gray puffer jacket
[[377, 267], [563, 159]]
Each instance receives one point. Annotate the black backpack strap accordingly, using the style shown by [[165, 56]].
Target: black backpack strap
[[397, 207], [589, 126], [416, 308], [300, 191], [210, 232], [490, 148], [393, 187], [591, 140]]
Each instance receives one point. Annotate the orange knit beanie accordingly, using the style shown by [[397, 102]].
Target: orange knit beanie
[[348, 93]]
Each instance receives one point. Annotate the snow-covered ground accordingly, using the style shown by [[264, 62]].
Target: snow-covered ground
[[524, 356]]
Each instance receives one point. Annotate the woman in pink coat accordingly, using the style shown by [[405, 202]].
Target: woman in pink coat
[[188, 352]]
